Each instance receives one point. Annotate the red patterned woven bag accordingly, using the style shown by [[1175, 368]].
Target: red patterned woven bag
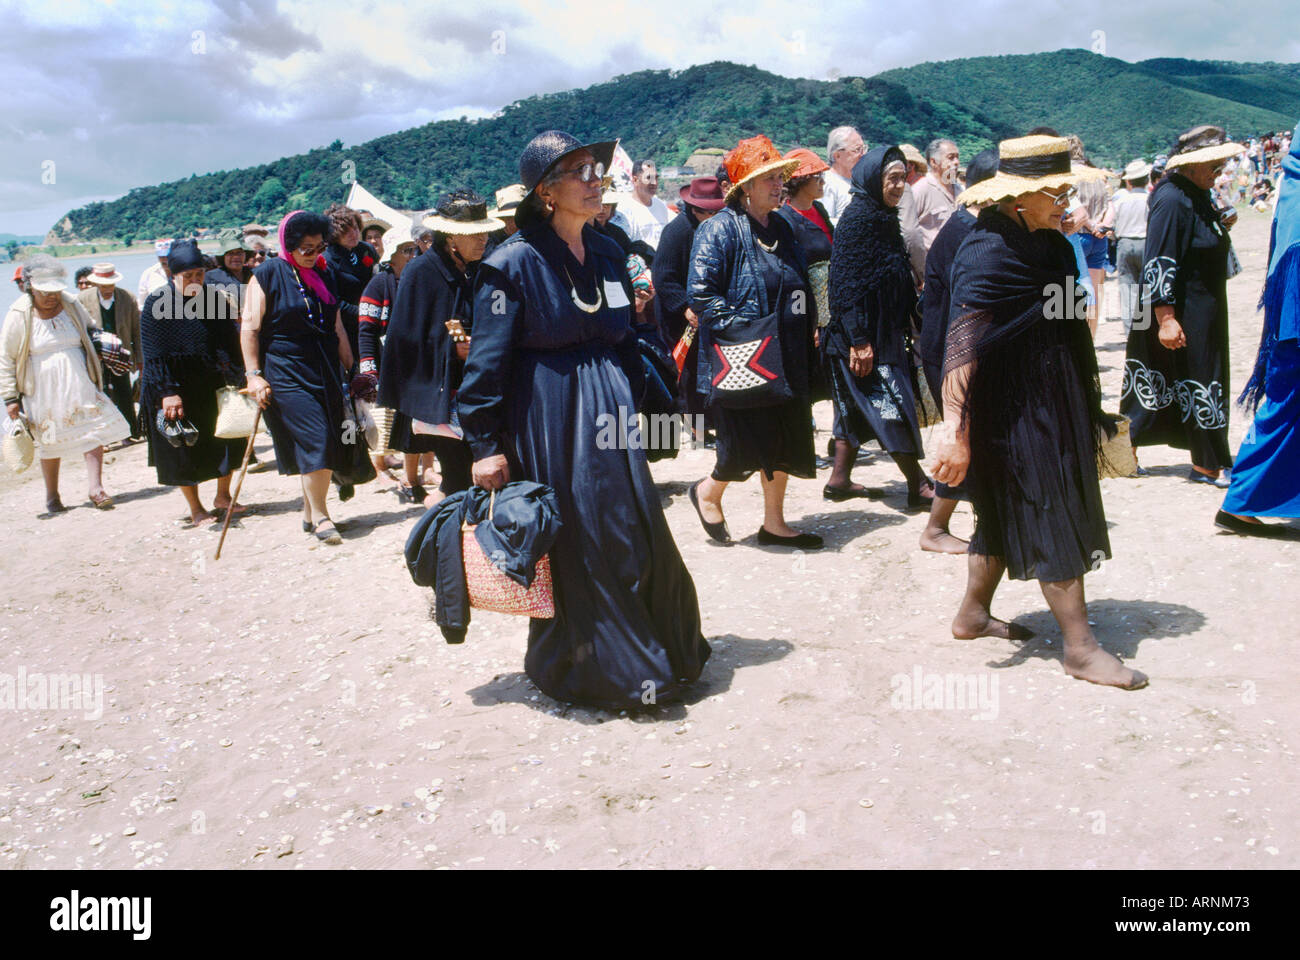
[[490, 589]]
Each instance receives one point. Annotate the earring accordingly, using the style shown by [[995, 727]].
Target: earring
[[1019, 208]]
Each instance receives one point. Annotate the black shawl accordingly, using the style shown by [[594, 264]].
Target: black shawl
[[871, 283], [419, 371], [1003, 281]]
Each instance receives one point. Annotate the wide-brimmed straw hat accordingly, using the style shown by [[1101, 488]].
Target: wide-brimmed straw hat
[[752, 158], [1027, 165], [369, 222], [1136, 170], [912, 155], [463, 215], [1203, 144], [809, 163], [508, 200], [104, 273]]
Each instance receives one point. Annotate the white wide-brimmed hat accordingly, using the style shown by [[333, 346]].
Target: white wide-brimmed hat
[[1136, 170], [49, 277], [105, 274], [508, 200], [393, 238], [1027, 165]]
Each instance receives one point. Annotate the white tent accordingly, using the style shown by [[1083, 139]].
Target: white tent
[[359, 198]]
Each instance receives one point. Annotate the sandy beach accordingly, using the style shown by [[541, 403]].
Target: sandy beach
[[288, 707]]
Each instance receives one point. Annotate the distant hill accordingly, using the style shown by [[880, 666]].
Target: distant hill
[[1120, 110]]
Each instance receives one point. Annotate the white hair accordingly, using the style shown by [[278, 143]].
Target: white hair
[[936, 147], [839, 139]]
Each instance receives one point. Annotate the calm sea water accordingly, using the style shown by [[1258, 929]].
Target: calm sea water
[[130, 265]]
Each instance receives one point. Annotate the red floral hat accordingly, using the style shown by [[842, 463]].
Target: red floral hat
[[752, 158]]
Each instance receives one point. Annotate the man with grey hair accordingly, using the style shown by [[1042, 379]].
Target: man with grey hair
[[422, 235], [844, 148], [934, 197]]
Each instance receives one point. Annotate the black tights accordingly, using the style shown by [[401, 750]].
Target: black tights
[[454, 463]]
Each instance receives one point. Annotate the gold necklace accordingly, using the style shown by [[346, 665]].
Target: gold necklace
[[577, 300]]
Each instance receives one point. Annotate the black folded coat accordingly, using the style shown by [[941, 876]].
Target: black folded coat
[[524, 522]]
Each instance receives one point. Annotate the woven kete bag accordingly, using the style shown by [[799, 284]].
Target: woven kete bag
[[490, 589], [1116, 457]]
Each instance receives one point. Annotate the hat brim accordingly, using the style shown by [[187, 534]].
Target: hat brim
[[376, 222], [1006, 186], [1221, 151], [1127, 174], [49, 286], [461, 228], [507, 213], [106, 281], [603, 151], [700, 203], [785, 166]]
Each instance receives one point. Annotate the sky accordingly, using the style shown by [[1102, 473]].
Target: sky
[[109, 95]]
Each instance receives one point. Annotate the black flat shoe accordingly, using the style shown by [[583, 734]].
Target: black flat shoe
[[839, 495], [308, 527], [718, 531], [189, 432], [346, 492], [802, 541], [1226, 521], [332, 537], [55, 505]]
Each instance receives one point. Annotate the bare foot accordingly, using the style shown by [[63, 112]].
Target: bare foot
[[1097, 666], [941, 541], [385, 480], [223, 505], [971, 626]]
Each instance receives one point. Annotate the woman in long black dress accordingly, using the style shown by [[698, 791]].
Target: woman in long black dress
[[351, 263], [746, 265], [868, 340], [190, 338], [1022, 406], [295, 351], [553, 365], [423, 365], [1176, 386]]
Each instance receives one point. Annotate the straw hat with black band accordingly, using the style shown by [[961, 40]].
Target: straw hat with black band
[[508, 200], [1027, 165], [752, 158], [540, 157], [1136, 170], [1204, 144], [462, 217]]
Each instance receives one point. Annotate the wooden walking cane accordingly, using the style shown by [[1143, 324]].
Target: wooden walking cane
[[239, 484]]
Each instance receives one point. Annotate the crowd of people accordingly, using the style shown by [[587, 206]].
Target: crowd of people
[[904, 287]]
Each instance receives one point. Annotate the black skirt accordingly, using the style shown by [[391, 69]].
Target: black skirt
[[210, 457], [770, 439]]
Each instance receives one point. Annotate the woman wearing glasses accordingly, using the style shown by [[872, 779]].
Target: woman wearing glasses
[[295, 351], [1022, 406], [552, 376], [1176, 386]]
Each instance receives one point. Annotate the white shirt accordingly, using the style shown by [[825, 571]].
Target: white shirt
[[152, 279], [836, 197], [1129, 212], [106, 304], [646, 223]]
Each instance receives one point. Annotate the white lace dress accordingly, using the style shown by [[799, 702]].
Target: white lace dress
[[68, 415]]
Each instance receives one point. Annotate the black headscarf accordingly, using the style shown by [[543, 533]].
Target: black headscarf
[[868, 258]]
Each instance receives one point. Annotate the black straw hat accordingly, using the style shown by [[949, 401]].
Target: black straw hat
[[546, 149]]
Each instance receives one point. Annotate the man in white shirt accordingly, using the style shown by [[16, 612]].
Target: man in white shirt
[[844, 148], [1127, 216], [646, 214], [156, 276]]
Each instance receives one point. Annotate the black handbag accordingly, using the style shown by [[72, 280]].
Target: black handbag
[[748, 370]]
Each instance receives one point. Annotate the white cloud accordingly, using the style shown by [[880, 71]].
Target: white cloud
[[116, 91]]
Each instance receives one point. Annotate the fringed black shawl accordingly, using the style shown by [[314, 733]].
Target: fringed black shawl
[[869, 270], [1013, 290]]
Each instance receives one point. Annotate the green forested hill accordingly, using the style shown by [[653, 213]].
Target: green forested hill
[[1120, 109]]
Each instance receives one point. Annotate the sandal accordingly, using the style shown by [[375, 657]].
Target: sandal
[[330, 536], [102, 502], [55, 505]]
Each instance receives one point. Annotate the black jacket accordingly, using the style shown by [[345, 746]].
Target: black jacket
[[419, 371], [525, 521], [672, 264]]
